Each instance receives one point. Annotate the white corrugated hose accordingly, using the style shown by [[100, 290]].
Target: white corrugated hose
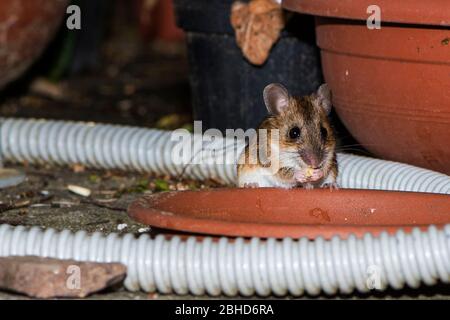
[[261, 267], [148, 150], [258, 266]]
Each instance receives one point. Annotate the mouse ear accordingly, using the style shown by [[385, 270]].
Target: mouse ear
[[276, 98], [322, 98]]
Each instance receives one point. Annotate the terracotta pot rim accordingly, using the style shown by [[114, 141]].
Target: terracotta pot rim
[[190, 212], [414, 12]]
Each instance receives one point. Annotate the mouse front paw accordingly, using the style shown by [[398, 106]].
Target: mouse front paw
[[308, 175], [300, 177], [251, 185], [308, 186], [330, 185]]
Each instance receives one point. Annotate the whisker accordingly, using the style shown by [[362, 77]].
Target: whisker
[[362, 145], [356, 151]]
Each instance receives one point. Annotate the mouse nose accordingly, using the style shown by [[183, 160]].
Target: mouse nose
[[310, 158]]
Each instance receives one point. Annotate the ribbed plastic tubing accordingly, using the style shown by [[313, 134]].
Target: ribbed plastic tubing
[[152, 151], [253, 267], [229, 267]]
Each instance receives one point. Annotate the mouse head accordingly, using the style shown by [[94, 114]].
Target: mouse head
[[306, 137]]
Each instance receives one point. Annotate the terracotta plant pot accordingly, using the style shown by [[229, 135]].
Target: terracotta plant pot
[[157, 20], [25, 29], [311, 213], [391, 87]]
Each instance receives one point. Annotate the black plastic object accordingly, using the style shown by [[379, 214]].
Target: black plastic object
[[226, 88]]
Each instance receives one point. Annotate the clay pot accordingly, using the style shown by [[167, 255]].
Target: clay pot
[[157, 20], [266, 212], [391, 87], [25, 29]]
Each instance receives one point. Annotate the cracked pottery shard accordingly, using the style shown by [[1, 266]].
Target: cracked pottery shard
[[48, 278], [257, 27]]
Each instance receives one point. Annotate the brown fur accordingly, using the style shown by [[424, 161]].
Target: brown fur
[[301, 112]]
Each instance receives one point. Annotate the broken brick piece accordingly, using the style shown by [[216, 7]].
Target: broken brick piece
[[48, 278]]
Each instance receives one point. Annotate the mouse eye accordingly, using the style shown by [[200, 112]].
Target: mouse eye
[[294, 133], [324, 133]]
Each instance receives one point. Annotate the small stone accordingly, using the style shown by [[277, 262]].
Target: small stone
[[81, 191], [121, 226], [11, 177], [46, 88], [153, 295], [77, 168], [49, 278]]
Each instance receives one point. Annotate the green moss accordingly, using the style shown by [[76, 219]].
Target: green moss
[[93, 178], [161, 185]]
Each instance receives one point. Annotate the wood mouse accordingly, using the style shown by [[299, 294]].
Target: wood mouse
[[298, 138]]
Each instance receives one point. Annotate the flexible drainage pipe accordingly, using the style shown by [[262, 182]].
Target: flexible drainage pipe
[[267, 267], [259, 266], [153, 151]]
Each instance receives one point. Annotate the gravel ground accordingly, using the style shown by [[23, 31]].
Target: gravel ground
[[44, 200]]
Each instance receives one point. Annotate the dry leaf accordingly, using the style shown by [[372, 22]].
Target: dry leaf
[[77, 168], [257, 27]]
